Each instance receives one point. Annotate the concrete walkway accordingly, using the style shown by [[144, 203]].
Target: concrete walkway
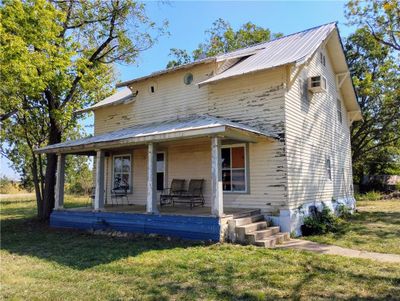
[[305, 245]]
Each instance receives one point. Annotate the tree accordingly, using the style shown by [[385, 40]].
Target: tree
[[57, 57], [376, 72], [222, 38], [380, 17]]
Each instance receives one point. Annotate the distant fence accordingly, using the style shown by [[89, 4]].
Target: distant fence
[[384, 183]]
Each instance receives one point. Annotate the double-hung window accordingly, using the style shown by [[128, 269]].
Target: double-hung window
[[122, 172], [234, 168]]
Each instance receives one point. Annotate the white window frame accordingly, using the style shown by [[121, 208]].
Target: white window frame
[[165, 168], [339, 110], [131, 171], [246, 184]]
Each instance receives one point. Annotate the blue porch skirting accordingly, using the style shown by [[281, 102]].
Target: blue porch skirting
[[187, 227]]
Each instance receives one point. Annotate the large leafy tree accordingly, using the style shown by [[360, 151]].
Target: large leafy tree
[[381, 18], [222, 38], [56, 57], [376, 72]]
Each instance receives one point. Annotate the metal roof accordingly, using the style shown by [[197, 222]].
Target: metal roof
[[295, 48], [155, 130], [124, 95]]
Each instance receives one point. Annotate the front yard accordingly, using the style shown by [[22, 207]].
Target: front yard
[[375, 227], [38, 263]]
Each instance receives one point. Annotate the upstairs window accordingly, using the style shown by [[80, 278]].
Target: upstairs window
[[322, 59], [339, 110], [234, 168], [303, 91]]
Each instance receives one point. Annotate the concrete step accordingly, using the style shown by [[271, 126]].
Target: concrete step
[[246, 229], [261, 234], [246, 213], [273, 240], [241, 231], [248, 220]]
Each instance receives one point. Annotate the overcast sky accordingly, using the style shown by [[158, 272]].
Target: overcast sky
[[189, 20]]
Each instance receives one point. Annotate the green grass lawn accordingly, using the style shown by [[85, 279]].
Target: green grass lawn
[[375, 227], [38, 263]]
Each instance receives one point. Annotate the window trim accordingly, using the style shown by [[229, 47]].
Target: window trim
[[339, 110], [130, 190], [246, 168], [165, 169]]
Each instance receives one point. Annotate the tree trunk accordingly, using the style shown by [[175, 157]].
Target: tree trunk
[[51, 168], [38, 191]]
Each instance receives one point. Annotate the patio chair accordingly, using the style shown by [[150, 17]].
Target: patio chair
[[168, 194], [193, 196], [119, 192]]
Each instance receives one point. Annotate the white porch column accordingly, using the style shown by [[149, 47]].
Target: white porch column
[[99, 193], [151, 206], [217, 198], [59, 192]]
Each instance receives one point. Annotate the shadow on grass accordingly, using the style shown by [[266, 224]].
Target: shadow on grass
[[75, 249]]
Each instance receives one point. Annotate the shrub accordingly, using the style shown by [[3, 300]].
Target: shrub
[[369, 196], [343, 211], [320, 222]]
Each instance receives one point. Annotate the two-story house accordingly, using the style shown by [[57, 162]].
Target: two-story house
[[266, 129]]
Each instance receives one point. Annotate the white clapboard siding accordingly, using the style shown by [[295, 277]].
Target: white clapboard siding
[[312, 135], [255, 99]]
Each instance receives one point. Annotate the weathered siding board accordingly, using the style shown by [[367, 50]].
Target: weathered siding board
[[188, 227], [255, 99], [312, 134]]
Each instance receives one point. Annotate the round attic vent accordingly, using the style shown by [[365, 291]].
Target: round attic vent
[[188, 78]]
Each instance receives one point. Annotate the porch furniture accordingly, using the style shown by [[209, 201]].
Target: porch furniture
[[120, 192], [168, 194], [193, 196]]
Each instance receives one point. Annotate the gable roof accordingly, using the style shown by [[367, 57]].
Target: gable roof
[[292, 49]]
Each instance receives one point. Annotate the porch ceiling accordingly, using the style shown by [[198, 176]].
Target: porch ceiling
[[177, 129]]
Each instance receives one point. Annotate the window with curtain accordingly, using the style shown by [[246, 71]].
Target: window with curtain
[[233, 160]]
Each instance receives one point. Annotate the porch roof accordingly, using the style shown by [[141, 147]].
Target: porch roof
[[181, 128]]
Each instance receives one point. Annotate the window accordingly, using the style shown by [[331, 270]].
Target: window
[[328, 168], [339, 109], [160, 171], [303, 90], [233, 160], [152, 89], [322, 59], [122, 175], [188, 78]]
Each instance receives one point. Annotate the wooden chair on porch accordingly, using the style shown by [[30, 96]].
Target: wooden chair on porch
[[193, 196], [168, 194]]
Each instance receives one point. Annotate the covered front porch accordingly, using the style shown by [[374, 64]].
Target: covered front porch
[[192, 150]]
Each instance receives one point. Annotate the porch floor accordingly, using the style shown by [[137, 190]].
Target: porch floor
[[168, 210]]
